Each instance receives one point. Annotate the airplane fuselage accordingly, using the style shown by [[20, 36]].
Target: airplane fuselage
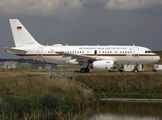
[[120, 54]]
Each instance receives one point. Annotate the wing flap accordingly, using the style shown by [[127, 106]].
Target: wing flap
[[78, 57], [84, 58]]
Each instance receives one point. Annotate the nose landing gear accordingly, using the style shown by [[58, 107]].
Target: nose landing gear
[[135, 70]]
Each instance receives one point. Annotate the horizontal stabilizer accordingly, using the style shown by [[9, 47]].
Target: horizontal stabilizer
[[15, 50]]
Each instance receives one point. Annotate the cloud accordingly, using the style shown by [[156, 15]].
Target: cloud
[[131, 4], [94, 3], [68, 7], [39, 7]]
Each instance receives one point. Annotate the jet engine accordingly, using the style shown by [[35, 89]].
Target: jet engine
[[102, 65]]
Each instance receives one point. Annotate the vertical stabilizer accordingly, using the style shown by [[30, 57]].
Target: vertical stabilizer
[[21, 36]]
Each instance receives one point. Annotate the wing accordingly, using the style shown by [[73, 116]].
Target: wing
[[84, 58], [78, 57], [15, 50]]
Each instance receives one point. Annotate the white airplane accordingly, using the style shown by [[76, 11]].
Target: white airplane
[[94, 57]]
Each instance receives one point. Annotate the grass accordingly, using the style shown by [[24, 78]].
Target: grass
[[32, 107], [21, 90], [127, 85]]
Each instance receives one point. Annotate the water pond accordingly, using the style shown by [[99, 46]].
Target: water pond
[[121, 111]]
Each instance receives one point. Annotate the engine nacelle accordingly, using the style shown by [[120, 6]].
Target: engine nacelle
[[102, 65]]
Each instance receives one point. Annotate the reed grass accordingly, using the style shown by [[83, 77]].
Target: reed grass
[[22, 89], [130, 85]]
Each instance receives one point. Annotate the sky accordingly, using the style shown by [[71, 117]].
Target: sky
[[84, 22]]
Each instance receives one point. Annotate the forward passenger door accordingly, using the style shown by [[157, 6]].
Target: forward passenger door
[[136, 52]]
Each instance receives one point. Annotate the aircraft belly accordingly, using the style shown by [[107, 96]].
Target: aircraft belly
[[57, 60]]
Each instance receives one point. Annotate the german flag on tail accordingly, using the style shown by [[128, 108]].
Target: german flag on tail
[[19, 28]]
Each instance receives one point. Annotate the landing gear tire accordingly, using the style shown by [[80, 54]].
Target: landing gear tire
[[84, 70], [136, 70], [87, 70], [120, 70]]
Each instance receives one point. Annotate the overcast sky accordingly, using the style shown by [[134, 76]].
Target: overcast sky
[[84, 22]]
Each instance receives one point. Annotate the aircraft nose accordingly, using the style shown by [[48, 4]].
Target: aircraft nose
[[157, 58]]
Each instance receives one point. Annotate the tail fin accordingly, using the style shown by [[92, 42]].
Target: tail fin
[[21, 36]]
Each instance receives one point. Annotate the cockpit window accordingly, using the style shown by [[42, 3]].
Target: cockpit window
[[148, 51]]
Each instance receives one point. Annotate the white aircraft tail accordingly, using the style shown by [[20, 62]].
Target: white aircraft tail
[[21, 36]]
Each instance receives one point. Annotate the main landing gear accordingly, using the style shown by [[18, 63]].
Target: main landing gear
[[84, 70]]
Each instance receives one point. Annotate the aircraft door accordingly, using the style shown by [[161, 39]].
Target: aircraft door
[[95, 52], [39, 52], [136, 52]]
